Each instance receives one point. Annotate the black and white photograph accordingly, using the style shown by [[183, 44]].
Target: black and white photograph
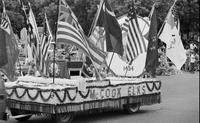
[[99, 61]]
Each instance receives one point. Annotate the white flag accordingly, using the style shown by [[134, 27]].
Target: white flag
[[170, 35]]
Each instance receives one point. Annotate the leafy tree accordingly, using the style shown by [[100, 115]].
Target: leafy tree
[[85, 11]]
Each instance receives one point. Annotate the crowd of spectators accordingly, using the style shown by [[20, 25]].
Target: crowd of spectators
[[192, 61]]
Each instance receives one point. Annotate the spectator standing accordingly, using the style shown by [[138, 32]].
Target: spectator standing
[[192, 62], [187, 62], [197, 62]]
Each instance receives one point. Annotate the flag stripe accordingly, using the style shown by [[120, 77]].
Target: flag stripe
[[72, 35], [97, 53], [129, 54], [69, 27], [141, 38], [45, 45], [125, 25], [132, 37], [4, 23], [33, 34], [136, 32], [131, 48], [70, 30]]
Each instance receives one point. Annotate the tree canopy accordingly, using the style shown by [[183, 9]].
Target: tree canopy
[[85, 11]]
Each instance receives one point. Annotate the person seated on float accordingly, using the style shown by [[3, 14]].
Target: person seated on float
[[32, 71]]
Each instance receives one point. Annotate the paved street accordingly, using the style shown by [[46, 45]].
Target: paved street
[[180, 104]]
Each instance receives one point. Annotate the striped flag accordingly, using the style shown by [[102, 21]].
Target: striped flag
[[69, 31], [125, 25], [47, 38], [29, 49], [97, 55], [8, 47], [4, 26], [33, 34], [135, 41], [5, 22]]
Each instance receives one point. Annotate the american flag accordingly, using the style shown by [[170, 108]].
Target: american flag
[[69, 31], [8, 47], [47, 38], [135, 43], [33, 34], [5, 21]]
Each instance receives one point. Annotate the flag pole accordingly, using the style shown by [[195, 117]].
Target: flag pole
[[149, 16], [142, 30], [94, 23], [54, 44], [153, 7], [112, 55], [111, 60], [20, 67]]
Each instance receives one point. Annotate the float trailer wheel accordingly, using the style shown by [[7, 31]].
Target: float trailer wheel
[[16, 112], [63, 118], [132, 108]]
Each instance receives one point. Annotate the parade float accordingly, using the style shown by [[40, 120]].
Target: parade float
[[64, 93], [35, 95]]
